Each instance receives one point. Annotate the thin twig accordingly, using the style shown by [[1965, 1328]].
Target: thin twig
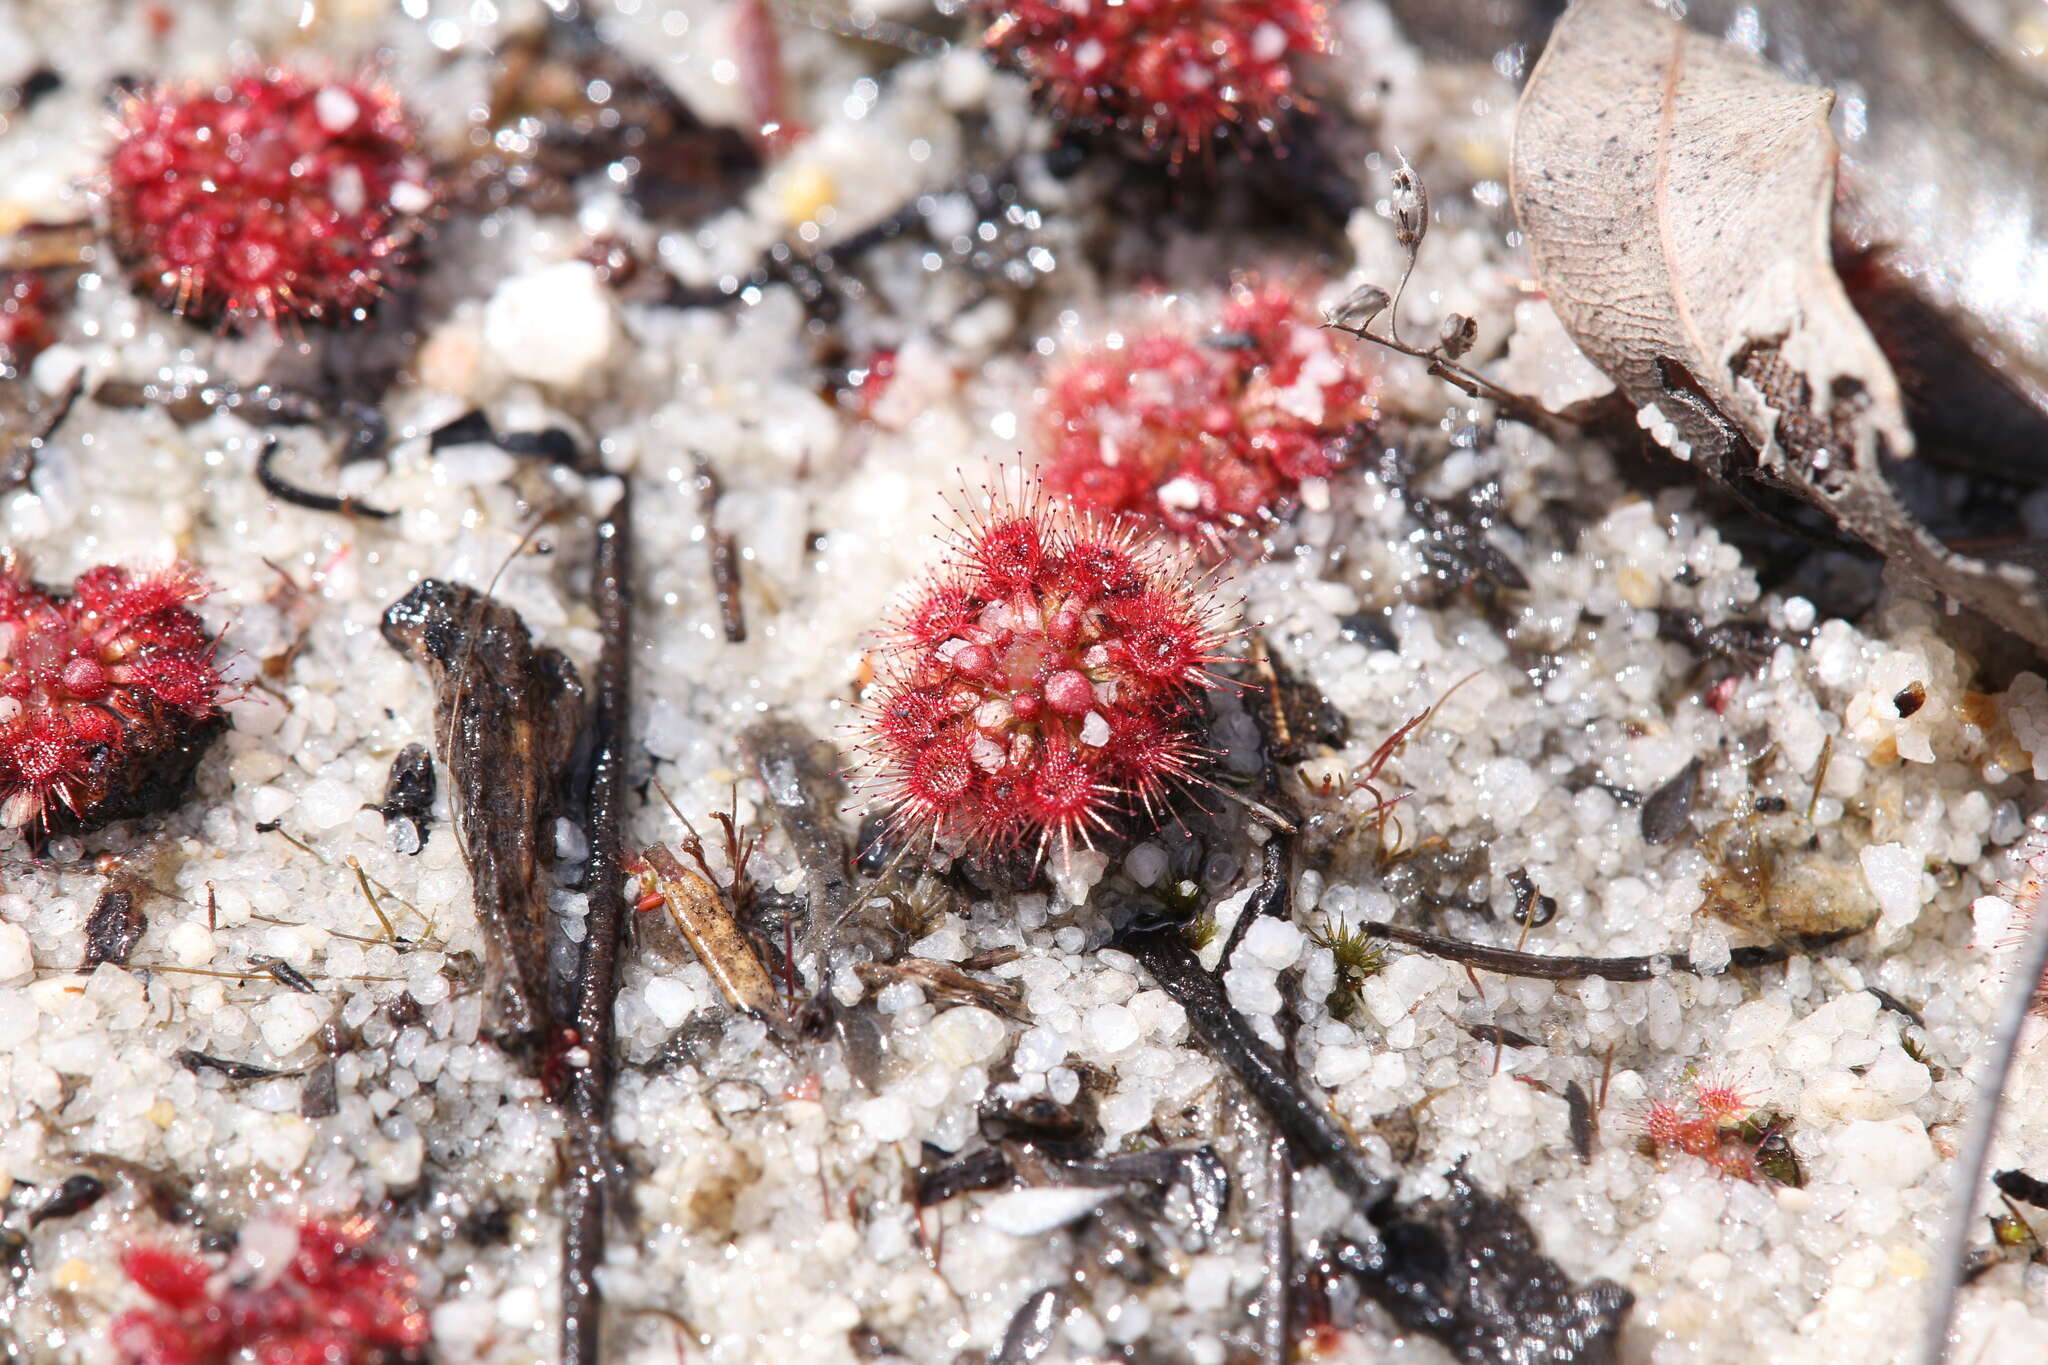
[[284, 490], [1556, 967], [1470, 382], [587, 1090], [725, 560]]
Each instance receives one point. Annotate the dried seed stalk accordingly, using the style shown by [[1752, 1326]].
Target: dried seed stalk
[[720, 943]]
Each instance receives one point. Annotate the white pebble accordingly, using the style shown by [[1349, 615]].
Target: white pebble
[[287, 1022], [268, 804], [941, 945], [1145, 864], [190, 944], [17, 959], [1207, 1287], [1273, 943], [397, 1163], [553, 326], [885, 1118], [1034, 1212], [336, 109], [1401, 987], [1111, 1028], [327, 804], [1893, 1153], [669, 1000], [1508, 790], [1252, 990], [964, 1035], [1040, 1049], [1894, 875]]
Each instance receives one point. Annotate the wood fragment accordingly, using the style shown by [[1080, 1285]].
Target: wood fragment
[[586, 1094], [725, 560], [1667, 810], [1581, 1122], [112, 930]]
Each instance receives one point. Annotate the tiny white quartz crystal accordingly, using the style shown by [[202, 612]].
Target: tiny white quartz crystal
[[16, 957], [554, 325], [1894, 877], [1034, 1212], [964, 1035], [1274, 944]]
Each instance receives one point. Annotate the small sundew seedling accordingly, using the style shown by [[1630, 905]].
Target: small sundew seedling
[[266, 197], [1206, 433], [109, 696], [1714, 1119], [1044, 679], [1179, 75], [335, 1303]]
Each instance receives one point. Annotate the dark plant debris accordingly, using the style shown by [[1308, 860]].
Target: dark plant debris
[[112, 930], [408, 805], [77, 1194], [506, 718], [1464, 1268]]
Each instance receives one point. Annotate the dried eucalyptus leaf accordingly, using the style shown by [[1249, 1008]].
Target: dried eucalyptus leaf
[[1676, 197]]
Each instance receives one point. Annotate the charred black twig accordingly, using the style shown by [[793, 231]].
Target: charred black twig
[[985, 1168], [2023, 1187], [1560, 967], [552, 444], [1274, 897], [1581, 1121], [285, 975], [587, 1093], [196, 1061], [1306, 1122], [276, 485]]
